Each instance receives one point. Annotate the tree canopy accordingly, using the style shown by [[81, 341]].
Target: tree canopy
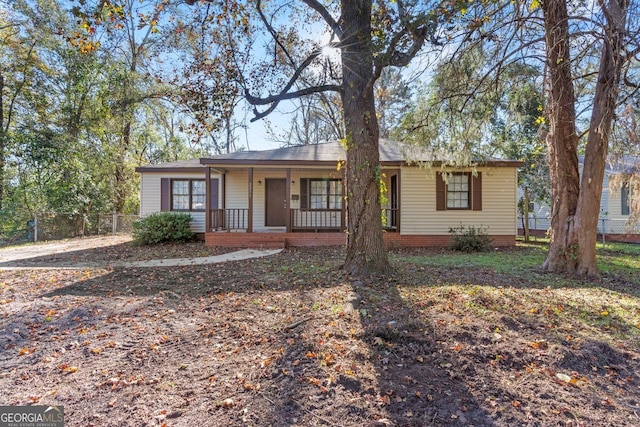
[[102, 86]]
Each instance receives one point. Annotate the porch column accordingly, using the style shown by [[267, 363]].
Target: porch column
[[250, 214], [288, 200], [207, 203], [343, 211]]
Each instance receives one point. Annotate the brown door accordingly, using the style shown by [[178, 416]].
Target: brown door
[[276, 210]]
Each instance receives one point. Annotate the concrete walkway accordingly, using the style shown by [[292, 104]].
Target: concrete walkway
[[16, 258], [175, 262]]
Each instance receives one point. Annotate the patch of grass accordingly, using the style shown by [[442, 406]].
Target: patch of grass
[[619, 248], [523, 258], [522, 263], [619, 258]]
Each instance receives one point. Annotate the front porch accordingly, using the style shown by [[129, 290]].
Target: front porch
[[230, 228], [277, 207]]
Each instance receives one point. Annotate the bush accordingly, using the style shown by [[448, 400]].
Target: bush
[[163, 227], [470, 239]]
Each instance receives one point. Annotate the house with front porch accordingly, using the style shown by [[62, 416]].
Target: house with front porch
[[295, 196]]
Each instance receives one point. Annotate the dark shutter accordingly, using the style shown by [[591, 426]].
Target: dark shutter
[[165, 194], [213, 185], [625, 198], [304, 193], [476, 187], [441, 192]]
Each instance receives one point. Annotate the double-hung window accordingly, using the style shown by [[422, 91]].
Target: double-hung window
[[625, 199], [188, 194], [459, 191], [320, 194]]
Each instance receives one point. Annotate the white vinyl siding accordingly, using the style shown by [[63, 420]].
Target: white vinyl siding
[[418, 203], [150, 195]]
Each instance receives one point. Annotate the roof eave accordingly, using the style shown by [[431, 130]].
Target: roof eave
[[146, 169], [248, 163]]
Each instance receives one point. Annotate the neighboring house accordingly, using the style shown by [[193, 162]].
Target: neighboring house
[[615, 202], [295, 196]]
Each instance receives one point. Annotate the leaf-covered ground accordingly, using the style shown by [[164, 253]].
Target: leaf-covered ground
[[482, 340]]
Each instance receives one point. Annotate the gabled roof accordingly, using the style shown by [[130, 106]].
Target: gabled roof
[[313, 153], [326, 154], [391, 154]]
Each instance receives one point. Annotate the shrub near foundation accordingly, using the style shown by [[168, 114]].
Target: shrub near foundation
[[163, 227], [469, 239]]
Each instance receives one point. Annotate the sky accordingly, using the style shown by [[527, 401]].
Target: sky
[[256, 136]]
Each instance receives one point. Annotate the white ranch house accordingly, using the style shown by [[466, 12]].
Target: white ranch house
[[295, 196]]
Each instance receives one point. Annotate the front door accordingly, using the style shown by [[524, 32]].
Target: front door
[[276, 202]]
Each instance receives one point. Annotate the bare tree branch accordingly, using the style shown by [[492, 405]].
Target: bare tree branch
[[335, 27], [274, 100], [273, 32]]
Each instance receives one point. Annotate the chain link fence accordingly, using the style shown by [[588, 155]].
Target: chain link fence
[[621, 229], [56, 226]]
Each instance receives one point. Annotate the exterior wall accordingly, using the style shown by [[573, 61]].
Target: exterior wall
[[236, 189], [418, 204], [611, 218], [280, 240], [150, 195], [274, 240], [396, 240], [421, 225]]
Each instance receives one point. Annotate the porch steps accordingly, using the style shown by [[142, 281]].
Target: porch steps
[[266, 241]]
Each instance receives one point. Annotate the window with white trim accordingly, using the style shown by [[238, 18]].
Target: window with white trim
[[625, 199], [188, 194], [458, 191]]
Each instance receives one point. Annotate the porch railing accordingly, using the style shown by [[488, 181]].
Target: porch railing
[[229, 219], [302, 219]]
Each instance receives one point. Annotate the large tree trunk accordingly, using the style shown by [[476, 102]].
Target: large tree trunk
[[575, 206], [604, 105], [366, 253], [562, 140]]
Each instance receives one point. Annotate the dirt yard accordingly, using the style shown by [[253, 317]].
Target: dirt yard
[[289, 341]]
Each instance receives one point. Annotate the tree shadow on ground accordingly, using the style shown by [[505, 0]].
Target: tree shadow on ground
[[288, 340], [358, 357]]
